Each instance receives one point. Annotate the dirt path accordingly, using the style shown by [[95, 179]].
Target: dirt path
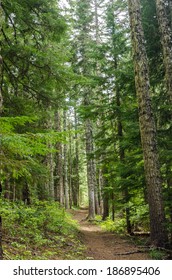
[[104, 245]]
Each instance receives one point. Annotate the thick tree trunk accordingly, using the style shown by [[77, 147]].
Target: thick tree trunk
[[1, 251], [169, 194], [1, 103], [166, 41], [170, 12], [147, 128]]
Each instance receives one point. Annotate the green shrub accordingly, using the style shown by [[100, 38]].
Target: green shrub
[[117, 226], [31, 227]]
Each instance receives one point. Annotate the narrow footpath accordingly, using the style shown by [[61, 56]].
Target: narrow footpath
[[103, 245]]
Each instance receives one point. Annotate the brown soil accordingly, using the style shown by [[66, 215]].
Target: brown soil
[[101, 245]]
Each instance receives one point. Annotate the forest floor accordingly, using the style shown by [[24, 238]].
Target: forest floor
[[101, 245]]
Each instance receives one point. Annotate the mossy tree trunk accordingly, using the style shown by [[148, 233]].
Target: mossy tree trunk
[[1, 251], [1, 103], [166, 41], [147, 128]]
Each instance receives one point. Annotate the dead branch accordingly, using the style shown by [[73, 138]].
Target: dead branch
[[132, 252]]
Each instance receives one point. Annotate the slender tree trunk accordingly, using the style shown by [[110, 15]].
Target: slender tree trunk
[[166, 41], [59, 189], [51, 181], [96, 194], [7, 188], [90, 169], [100, 188], [105, 206], [147, 128], [105, 194], [70, 168], [97, 37], [122, 158], [113, 206], [49, 160], [14, 191], [66, 185], [76, 182]]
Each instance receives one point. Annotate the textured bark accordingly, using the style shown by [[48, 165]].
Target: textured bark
[[1, 60], [147, 128], [1, 251], [166, 41], [170, 12], [1, 103]]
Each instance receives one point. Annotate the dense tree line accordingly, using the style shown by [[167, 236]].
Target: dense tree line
[[85, 104]]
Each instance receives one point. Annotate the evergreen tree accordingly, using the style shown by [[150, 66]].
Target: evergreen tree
[[166, 39], [147, 128]]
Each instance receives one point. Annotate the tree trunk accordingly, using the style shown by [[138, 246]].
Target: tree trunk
[[76, 182], [113, 206], [66, 185], [90, 169], [169, 193], [1, 251], [1, 104], [49, 160], [122, 158], [59, 189], [70, 167], [170, 12], [147, 128], [166, 41], [105, 200]]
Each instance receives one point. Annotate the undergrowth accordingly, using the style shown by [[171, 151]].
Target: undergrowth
[[39, 231], [118, 226]]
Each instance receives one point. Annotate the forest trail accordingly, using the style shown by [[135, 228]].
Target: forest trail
[[101, 245]]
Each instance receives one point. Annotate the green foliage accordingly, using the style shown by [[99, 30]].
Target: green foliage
[[158, 255], [118, 226], [20, 151], [44, 226]]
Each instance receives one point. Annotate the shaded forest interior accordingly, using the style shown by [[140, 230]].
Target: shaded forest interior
[[85, 121]]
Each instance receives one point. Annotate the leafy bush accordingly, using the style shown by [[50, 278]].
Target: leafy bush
[[118, 225], [30, 228]]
